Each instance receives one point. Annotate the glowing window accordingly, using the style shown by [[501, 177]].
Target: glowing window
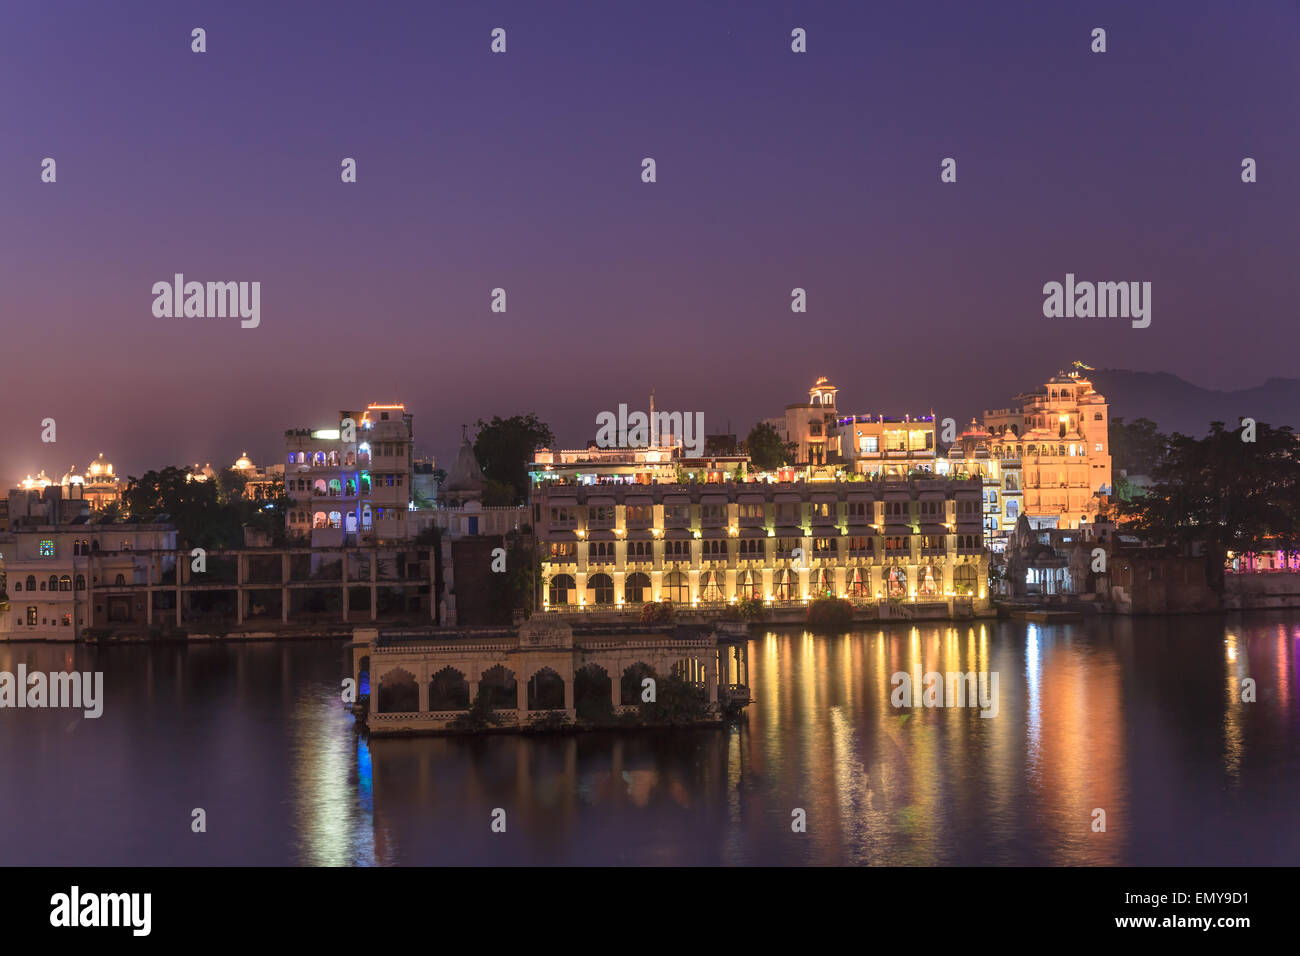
[[46, 548]]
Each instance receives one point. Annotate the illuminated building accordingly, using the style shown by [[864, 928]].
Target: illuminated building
[[98, 487], [258, 483], [971, 455], [711, 545], [62, 565], [1059, 434], [808, 426], [643, 466], [350, 492], [885, 447]]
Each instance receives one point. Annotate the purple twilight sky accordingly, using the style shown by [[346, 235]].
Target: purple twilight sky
[[479, 170]]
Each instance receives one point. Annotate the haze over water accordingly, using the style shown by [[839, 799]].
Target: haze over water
[[1140, 717]]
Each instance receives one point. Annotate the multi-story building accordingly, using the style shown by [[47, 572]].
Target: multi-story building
[[971, 455], [638, 465], [710, 545], [1060, 435], [890, 448], [98, 487], [62, 566], [259, 483], [349, 492], [808, 426]]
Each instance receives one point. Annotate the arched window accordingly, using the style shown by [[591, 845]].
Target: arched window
[[336, 520], [545, 690], [602, 588], [318, 458], [561, 585], [349, 460], [334, 458], [18, 586], [786, 583], [65, 583], [448, 690], [336, 487], [76, 549], [749, 586], [320, 520], [54, 582], [31, 582], [676, 588], [929, 581], [711, 586], [120, 580], [897, 580], [858, 585], [320, 487], [963, 579], [637, 588], [498, 685], [81, 582]]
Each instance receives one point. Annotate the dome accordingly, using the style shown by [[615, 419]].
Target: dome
[[242, 463], [465, 474], [71, 478], [100, 468]]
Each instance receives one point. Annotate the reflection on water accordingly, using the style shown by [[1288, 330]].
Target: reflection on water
[[1143, 719]]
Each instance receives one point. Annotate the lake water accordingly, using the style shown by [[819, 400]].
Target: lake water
[[1141, 718]]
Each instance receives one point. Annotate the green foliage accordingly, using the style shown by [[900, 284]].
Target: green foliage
[[753, 610], [677, 703], [765, 448], [660, 612], [194, 507], [1220, 493], [207, 514], [480, 715], [547, 722], [830, 615], [515, 587], [1136, 447], [504, 448], [497, 494]]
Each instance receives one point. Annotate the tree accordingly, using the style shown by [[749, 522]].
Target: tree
[[1136, 447], [267, 514], [1220, 493], [765, 448], [497, 494], [504, 448], [192, 506], [231, 486]]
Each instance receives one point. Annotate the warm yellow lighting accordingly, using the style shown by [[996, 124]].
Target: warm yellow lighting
[[580, 533], [733, 531]]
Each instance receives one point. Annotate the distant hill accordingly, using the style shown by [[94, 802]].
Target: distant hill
[[1177, 405]]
